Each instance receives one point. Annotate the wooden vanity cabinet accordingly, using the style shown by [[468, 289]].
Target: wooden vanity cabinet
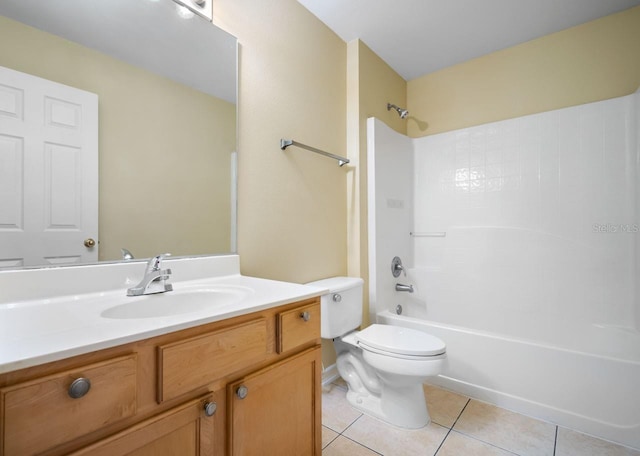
[[242, 386]]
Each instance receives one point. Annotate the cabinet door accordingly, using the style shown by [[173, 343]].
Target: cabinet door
[[185, 430], [277, 409]]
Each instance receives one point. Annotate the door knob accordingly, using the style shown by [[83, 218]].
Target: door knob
[[89, 243]]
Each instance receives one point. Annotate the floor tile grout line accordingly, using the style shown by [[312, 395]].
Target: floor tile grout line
[[442, 443], [467, 435], [451, 428], [331, 429], [361, 444], [485, 442], [351, 424], [354, 440], [333, 439], [461, 412], [348, 426]]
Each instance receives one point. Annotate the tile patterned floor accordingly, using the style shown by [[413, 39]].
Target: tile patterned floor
[[460, 426]]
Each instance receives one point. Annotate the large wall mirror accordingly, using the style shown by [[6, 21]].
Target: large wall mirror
[[166, 84]]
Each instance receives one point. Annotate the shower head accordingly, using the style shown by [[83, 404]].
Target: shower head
[[403, 113]]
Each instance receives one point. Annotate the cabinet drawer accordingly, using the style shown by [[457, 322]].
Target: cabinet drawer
[[198, 361], [41, 414], [298, 326]]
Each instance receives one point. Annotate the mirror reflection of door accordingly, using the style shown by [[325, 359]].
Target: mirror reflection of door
[[48, 172]]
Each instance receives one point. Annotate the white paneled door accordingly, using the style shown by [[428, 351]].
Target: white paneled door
[[48, 172]]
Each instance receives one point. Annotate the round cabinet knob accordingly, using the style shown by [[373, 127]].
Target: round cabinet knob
[[79, 387], [89, 243], [337, 297], [306, 316], [242, 391], [210, 408]]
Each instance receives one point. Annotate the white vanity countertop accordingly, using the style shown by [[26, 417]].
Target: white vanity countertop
[[38, 331]]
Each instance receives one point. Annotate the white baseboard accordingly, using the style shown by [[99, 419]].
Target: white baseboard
[[330, 374]]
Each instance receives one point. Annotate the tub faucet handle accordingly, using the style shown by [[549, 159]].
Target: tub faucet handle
[[397, 268]]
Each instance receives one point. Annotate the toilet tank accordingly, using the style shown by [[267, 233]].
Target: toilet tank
[[341, 308]]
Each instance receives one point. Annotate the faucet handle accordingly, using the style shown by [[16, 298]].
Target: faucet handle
[[397, 268], [154, 263], [126, 254]]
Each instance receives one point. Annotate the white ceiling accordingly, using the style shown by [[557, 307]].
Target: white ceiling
[[416, 37]]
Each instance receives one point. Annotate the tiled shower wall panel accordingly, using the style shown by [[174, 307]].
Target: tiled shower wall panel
[[541, 219]]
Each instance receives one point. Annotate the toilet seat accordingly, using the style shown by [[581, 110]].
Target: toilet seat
[[399, 342], [399, 356]]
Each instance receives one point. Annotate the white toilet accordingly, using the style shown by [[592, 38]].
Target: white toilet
[[383, 365]]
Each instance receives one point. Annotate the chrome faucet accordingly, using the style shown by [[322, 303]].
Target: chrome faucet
[[154, 280], [403, 287]]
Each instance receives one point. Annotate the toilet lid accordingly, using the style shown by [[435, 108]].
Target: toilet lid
[[399, 340]]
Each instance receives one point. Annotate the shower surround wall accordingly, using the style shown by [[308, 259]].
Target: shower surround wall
[[524, 255]]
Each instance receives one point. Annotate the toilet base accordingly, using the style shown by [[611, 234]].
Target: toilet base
[[378, 389], [402, 407]]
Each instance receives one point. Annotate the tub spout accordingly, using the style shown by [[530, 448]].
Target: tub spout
[[403, 287]]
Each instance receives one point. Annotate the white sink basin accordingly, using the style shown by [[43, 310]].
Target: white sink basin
[[177, 302]]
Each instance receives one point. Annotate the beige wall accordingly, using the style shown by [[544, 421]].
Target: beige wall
[[164, 149], [292, 204], [379, 85], [590, 62]]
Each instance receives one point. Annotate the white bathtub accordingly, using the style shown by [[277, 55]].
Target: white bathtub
[[592, 393]]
